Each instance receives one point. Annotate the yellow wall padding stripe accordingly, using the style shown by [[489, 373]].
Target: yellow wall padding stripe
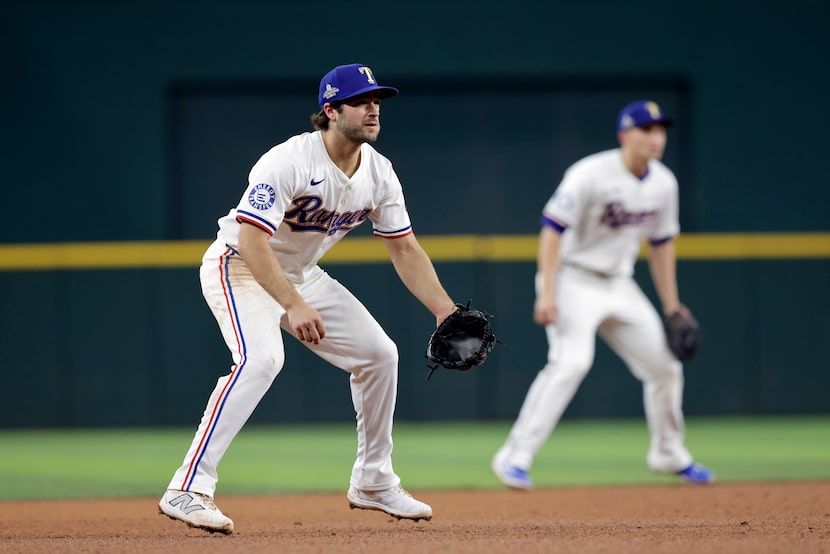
[[737, 246], [101, 255], [360, 250]]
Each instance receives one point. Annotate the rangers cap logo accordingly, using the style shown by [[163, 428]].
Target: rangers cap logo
[[641, 113], [351, 81]]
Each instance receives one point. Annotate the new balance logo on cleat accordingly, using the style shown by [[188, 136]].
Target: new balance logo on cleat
[[195, 509], [186, 501]]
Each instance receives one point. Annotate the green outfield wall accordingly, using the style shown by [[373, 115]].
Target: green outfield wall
[[135, 345], [130, 127]]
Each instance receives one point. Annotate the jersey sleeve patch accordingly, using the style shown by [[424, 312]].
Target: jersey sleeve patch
[[262, 196]]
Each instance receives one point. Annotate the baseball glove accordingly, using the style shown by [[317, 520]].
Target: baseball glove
[[683, 333], [464, 339]]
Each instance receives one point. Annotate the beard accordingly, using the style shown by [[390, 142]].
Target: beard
[[357, 132]]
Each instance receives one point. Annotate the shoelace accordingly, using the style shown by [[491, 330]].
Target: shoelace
[[401, 490]]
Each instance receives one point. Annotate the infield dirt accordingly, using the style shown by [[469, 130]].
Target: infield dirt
[[751, 518]]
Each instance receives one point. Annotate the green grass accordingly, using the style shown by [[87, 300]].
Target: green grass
[[90, 463]]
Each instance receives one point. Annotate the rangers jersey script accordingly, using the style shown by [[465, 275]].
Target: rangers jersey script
[[608, 212], [307, 204]]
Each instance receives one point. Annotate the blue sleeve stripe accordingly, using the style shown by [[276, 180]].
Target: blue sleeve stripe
[[550, 222], [398, 233], [253, 218], [658, 242]]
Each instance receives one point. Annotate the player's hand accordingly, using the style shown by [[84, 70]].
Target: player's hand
[[678, 307], [545, 310], [306, 323]]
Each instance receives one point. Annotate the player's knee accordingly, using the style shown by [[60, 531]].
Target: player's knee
[[264, 367], [675, 372], [381, 356], [669, 372], [568, 370], [386, 352]]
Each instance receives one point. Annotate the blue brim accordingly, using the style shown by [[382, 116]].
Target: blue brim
[[383, 92]]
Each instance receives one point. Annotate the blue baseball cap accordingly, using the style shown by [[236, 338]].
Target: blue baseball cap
[[348, 81], [641, 113]]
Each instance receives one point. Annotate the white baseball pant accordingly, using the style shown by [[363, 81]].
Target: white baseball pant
[[250, 321], [617, 308]]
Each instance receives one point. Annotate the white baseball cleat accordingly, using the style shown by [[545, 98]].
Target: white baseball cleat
[[395, 501], [513, 476], [697, 474], [195, 509]]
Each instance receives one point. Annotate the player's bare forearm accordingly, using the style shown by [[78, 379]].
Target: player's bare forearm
[[305, 322], [662, 264], [264, 266], [417, 273], [547, 264]]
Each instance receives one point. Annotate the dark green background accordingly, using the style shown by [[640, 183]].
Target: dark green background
[[139, 120]]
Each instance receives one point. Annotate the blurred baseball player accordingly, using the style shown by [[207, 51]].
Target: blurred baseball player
[[261, 275], [592, 229]]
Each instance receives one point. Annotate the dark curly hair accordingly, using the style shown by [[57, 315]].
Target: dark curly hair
[[320, 120]]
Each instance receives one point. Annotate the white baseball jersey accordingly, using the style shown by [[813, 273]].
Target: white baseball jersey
[[606, 213], [307, 204], [609, 212], [298, 196]]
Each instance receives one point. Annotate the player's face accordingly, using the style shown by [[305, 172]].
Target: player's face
[[359, 120], [646, 142]]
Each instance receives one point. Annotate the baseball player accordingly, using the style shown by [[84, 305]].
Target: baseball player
[[260, 275], [592, 229]]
